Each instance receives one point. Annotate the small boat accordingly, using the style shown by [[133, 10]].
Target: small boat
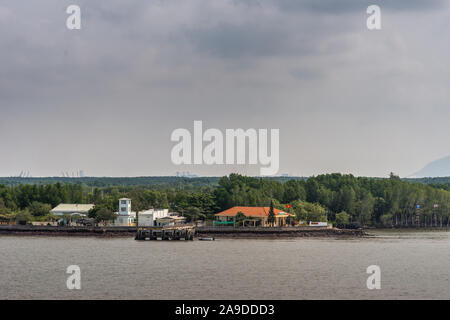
[[206, 239]]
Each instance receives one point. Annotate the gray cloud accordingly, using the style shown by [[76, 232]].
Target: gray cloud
[[346, 6], [306, 73], [106, 98], [232, 41]]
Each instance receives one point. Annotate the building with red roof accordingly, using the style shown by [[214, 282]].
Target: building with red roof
[[254, 216]]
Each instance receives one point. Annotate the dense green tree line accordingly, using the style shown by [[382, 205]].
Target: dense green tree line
[[343, 199], [170, 181], [348, 199]]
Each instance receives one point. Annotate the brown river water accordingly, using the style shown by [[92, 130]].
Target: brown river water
[[414, 265]]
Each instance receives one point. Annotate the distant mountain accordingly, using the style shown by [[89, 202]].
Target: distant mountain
[[437, 168]]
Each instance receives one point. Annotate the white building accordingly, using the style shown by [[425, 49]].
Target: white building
[[170, 221], [125, 217], [72, 209], [148, 218], [318, 224]]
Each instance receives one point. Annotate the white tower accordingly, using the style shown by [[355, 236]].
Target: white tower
[[124, 207]]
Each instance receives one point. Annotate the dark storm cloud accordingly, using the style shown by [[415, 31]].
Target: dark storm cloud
[[346, 6], [264, 31], [246, 41]]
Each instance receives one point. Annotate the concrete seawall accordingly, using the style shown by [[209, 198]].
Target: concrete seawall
[[244, 232], [68, 231], [226, 232]]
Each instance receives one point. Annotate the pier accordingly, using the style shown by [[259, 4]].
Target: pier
[[166, 233]]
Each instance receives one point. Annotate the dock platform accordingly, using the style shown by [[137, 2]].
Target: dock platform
[[165, 233]]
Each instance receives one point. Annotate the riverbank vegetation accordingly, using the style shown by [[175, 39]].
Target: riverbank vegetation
[[342, 199]]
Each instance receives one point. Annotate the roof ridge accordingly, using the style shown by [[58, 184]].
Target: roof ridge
[[250, 211]]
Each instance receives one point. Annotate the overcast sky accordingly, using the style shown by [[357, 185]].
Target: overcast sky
[[106, 98]]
